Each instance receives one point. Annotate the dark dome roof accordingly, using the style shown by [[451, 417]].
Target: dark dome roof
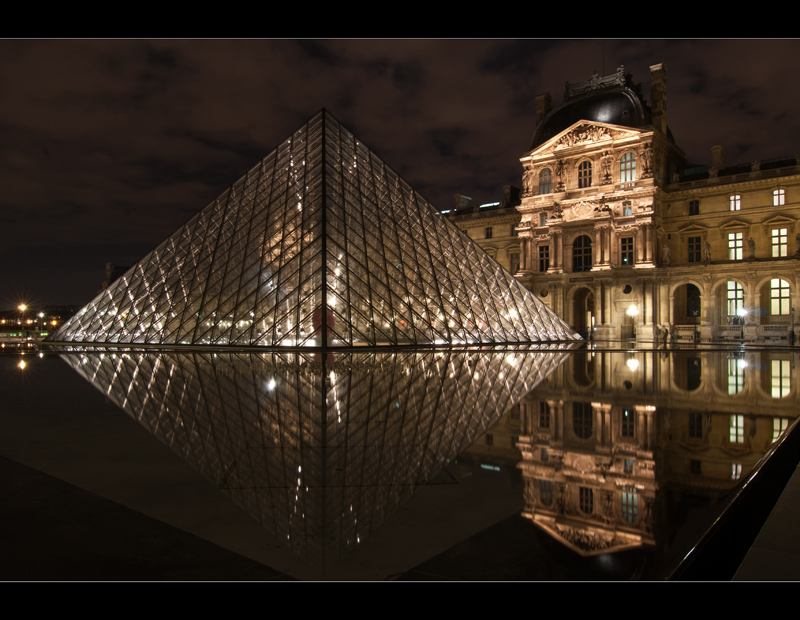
[[616, 106]]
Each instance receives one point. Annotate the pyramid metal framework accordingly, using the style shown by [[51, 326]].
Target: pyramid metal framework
[[319, 453], [321, 222]]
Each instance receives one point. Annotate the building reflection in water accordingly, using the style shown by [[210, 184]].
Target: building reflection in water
[[616, 448], [320, 454]]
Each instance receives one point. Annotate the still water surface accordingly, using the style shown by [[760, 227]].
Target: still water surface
[[511, 463]]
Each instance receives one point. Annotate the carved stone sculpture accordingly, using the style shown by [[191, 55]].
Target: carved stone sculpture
[[707, 252], [665, 256]]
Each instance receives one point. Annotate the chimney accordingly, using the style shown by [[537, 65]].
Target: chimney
[[718, 155], [658, 96], [542, 107]]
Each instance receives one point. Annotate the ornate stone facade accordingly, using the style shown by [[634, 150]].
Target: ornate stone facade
[[624, 240]]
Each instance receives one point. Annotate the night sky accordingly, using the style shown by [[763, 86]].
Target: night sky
[[108, 146]]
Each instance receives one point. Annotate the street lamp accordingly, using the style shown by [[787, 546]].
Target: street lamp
[[742, 312], [632, 312]]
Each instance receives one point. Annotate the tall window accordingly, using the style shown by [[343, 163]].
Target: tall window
[[694, 207], [488, 232], [694, 249], [627, 209], [781, 378], [544, 258], [546, 181], [514, 231], [735, 246], [582, 254], [546, 492], [627, 168], [779, 427], [779, 297], [582, 419], [630, 504], [585, 174], [778, 198], [626, 250], [736, 471], [736, 367], [696, 425], [586, 500], [735, 298], [737, 429], [543, 219], [628, 418], [544, 415], [736, 202], [780, 245]]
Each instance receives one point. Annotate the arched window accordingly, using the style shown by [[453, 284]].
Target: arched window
[[627, 168], [582, 254], [546, 181], [585, 174]]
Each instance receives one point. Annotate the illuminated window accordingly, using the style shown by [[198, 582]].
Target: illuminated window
[[585, 174], [543, 219], [627, 168], [546, 181], [736, 471], [546, 492], [586, 500], [630, 504], [628, 466], [735, 299], [694, 207], [780, 242], [781, 378], [626, 250], [627, 208], [779, 297], [736, 202], [737, 429], [694, 249], [582, 254], [544, 257], [488, 232], [736, 366], [779, 427], [735, 246], [778, 198]]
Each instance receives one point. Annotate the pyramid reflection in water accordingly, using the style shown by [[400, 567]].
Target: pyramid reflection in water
[[321, 222], [319, 454]]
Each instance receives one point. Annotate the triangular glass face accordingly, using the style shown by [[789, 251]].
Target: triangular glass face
[[321, 222]]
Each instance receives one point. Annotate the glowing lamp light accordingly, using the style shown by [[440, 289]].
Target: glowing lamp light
[[632, 311], [633, 364]]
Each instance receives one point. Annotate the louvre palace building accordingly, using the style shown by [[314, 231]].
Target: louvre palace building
[[620, 237]]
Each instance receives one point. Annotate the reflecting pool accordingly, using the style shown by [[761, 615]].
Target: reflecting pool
[[497, 463]]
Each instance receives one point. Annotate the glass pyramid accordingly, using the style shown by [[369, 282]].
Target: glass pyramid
[[321, 454], [321, 222]]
